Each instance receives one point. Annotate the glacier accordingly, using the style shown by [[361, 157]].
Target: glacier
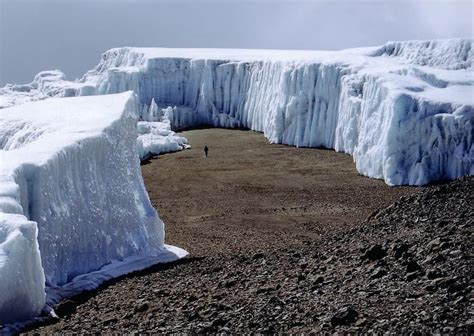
[[153, 139], [74, 210], [70, 178], [404, 110]]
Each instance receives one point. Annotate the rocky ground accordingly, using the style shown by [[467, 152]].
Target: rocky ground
[[405, 268]]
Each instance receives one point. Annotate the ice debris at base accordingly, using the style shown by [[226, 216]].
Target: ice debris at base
[[154, 132], [157, 137], [404, 111], [74, 210]]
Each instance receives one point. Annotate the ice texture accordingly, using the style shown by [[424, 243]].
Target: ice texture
[[73, 207], [22, 293], [404, 111], [157, 137], [444, 54], [152, 139]]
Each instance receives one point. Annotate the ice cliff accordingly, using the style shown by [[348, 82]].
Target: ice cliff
[[404, 111], [73, 207]]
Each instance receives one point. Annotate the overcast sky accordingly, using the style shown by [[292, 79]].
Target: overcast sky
[[70, 35]]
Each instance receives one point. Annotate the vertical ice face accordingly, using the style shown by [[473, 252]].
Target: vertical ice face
[[403, 110], [384, 108], [428, 141], [22, 281], [96, 186], [294, 103], [70, 187]]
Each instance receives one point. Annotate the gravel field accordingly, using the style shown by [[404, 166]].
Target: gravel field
[[289, 240]]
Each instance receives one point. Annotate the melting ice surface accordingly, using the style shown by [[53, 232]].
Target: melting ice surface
[[404, 111], [73, 207]]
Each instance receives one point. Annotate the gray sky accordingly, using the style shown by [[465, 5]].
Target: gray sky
[[70, 35]]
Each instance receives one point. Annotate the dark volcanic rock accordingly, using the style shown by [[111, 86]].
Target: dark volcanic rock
[[418, 281], [378, 273], [65, 308], [400, 249], [344, 316], [375, 252], [412, 266], [142, 307], [434, 274]]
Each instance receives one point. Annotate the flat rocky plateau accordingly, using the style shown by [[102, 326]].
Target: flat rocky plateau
[[285, 239]]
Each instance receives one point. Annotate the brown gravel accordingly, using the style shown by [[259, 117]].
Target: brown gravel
[[249, 194], [279, 242]]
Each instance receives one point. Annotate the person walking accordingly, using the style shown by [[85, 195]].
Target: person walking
[[206, 150]]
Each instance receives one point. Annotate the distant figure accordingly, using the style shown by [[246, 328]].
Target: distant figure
[[206, 150]]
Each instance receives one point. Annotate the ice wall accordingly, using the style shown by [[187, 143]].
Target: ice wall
[[72, 199], [22, 282], [403, 110]]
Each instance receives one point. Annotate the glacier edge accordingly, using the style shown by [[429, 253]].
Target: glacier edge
[[353, 101], [74, 211]]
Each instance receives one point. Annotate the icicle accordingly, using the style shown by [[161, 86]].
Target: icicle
[[153, 111]]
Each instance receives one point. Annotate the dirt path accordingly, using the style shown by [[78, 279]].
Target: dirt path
[[251, 195]]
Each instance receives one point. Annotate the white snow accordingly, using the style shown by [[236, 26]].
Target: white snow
[[72, 200], [404, 110], [22, 294], [445, 54], [153, 139], [157, 137]]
